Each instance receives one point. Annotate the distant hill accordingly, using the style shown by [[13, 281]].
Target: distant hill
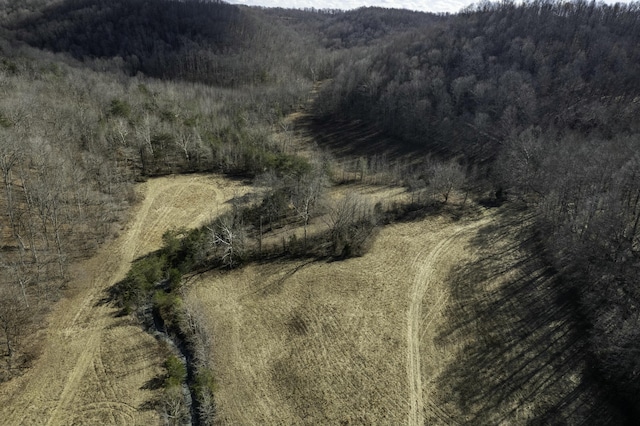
[[476, 77], [205, 41], [539, 102], [211, 42], [364, 26]]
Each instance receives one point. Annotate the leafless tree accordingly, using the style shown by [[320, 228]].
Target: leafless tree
[[445, 178], [307, 194], [14, 318], [228, 236], [9, 157], [173, 406], [352, 221]]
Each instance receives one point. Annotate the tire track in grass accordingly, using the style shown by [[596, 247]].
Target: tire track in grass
[[126, 252], [70, 382], [432, 270]]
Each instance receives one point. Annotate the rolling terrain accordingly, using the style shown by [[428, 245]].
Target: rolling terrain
[[437, 222], [348, 342], [97, 366]]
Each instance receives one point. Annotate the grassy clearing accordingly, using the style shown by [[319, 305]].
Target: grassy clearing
[[300, 342], [97, 366]]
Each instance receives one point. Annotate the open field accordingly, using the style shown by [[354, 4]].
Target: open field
[[392, 337], [446, 320], [97, 367], [349, 342], [408, 218]]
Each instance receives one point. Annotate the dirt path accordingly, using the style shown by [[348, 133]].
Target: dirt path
[[432, 270], [97, 367]]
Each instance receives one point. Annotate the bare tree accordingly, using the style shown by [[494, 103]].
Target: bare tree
[[14, 318], [228, 235], [352, 221], [50, 201], [306, 196], [20, 275], [174, 406], [445, 178], [9, 157], [520, 162]]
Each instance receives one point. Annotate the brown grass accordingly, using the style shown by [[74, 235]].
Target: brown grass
[[297, 342], [346, 342], [97, 367]]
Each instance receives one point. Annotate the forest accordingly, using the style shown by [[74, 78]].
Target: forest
[[533, 105]]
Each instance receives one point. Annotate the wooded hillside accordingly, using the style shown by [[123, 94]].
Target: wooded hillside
[[209, 42], [547, 96], [541, 101]]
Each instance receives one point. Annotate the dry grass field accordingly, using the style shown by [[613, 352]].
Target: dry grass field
[[96, 367], [345, 342], [397, 336]]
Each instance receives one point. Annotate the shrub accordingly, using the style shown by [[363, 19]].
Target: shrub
[[139, 281], [175, 278], [169, 306], [119, 108], [176, 372], [204, 382], [204, 388]]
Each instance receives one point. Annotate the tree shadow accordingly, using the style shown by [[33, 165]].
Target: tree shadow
[[155, 383], [149, 405], [521, 341], [352, 138]]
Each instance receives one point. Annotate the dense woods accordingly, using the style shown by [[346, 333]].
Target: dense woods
[[540, 100], [546, 96], [485, 75], [210, 42]]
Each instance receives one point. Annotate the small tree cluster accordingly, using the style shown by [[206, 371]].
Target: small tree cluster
[[173, 403], [352, 222]]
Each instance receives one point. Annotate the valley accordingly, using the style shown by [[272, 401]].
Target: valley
[[214, 214]]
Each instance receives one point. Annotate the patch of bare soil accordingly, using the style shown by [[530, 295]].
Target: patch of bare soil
[[97, 367], [349, 342]]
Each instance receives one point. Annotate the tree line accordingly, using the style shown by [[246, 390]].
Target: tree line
[[542, 99]]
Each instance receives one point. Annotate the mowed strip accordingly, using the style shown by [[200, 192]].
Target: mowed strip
[[95, 367], [428, 299]]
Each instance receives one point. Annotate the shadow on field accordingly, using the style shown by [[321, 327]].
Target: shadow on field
[[521, 356]]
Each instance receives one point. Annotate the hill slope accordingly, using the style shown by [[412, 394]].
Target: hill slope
[[536, 104], [97, 366], [210, 42]]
